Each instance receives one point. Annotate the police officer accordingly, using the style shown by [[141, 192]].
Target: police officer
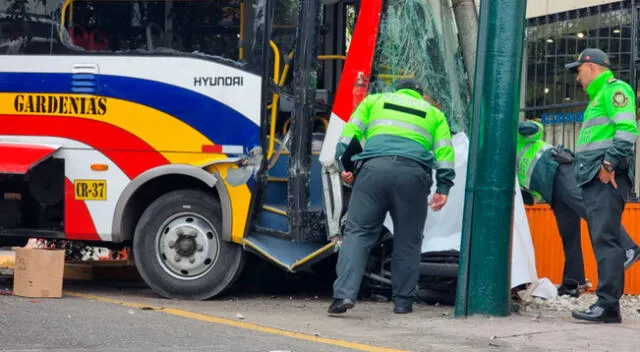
[[406, 137], [546, 172], [604, 170]]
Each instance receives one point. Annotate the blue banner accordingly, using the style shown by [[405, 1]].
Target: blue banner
[[562, 117]]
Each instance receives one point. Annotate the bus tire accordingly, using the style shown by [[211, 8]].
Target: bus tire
[[178, 247]]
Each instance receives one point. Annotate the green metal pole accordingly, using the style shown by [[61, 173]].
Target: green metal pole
[[485, 251]]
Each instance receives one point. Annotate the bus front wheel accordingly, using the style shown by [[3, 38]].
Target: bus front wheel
[[178, 247]]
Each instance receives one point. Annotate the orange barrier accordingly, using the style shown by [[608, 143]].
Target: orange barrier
[[548, 246]]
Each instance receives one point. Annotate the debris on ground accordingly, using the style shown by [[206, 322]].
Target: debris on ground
[[629, 304]]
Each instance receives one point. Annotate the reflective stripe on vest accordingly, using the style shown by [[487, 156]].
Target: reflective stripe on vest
[[603, 120], [358, 123], [446, 165], [525, 179], [606, 143], [443, 143], [596, 121], [602, 125], [404, 125]]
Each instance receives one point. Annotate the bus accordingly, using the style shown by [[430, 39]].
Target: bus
[[195, 131]]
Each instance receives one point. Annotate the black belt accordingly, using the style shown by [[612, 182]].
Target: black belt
[[397, 157], [404, 158]]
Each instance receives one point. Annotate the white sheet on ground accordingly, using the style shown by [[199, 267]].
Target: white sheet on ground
[[443, 229]]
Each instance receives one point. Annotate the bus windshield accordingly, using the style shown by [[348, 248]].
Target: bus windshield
[[418, 40]]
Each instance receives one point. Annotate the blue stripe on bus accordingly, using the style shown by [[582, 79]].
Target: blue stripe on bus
[[217, 121]]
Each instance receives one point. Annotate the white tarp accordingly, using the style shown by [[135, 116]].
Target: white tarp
[[443, 229]]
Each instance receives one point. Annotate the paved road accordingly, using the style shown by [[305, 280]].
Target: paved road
[[111, 316], [76, 324], [103, 317]]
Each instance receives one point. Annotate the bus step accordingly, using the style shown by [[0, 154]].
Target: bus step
[[289, 255], [274, 217], [275, 192]]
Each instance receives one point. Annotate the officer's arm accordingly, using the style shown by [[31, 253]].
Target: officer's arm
[[356, 126], [621, 107], [531, 130], [445, 155]]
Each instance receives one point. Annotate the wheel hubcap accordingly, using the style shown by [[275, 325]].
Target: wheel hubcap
[[187, 246]]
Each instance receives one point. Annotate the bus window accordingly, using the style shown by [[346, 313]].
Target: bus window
[[211, 27], [27, 27], [285, 22]]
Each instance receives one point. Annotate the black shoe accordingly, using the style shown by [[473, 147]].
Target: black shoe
[[339, 306], [568, 291], [631, 257], [599, 314], [403, 309]]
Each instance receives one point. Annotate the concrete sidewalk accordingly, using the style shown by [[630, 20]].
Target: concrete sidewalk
[[540, 326]]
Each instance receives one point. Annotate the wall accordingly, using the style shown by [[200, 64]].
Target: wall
[[537, 8]]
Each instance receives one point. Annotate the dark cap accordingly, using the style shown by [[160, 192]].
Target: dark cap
[[410, 83], [592, 55]]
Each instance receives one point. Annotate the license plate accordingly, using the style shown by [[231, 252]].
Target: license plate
[[90, 189]]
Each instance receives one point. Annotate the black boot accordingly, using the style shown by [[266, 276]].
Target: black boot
[[403, 309], [631, 257], [599, 314], [569, 290], [339, 306]]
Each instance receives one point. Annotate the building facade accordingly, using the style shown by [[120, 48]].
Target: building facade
[[556, 33]]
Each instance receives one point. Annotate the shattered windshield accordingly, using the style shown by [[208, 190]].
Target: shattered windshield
[[418, 39]]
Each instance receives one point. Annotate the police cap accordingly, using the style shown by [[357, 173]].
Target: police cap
[[592, 55], [410, 83]]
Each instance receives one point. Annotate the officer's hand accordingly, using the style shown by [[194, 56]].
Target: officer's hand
[[438, 201], [605, 177], [347, 176]]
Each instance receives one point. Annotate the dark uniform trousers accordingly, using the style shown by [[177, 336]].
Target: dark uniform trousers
[[400, 186], [604, 205], [568, 207]]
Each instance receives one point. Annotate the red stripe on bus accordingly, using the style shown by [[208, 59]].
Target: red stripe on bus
[[78, 223], [133, 155], [212, 148]]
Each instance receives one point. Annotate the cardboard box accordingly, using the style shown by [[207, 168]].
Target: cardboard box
[[38, 272]]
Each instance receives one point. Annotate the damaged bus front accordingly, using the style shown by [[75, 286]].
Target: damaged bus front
[[197, 130]]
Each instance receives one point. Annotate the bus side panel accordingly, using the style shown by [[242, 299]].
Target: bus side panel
[[144, 112]]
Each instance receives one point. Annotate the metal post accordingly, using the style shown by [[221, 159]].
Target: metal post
[[467, 23], [485, 253], [634, 82], [304, 80]]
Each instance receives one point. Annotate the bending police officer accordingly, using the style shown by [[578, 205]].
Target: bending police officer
[[604, 169], [546, 172], [406, 137]]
